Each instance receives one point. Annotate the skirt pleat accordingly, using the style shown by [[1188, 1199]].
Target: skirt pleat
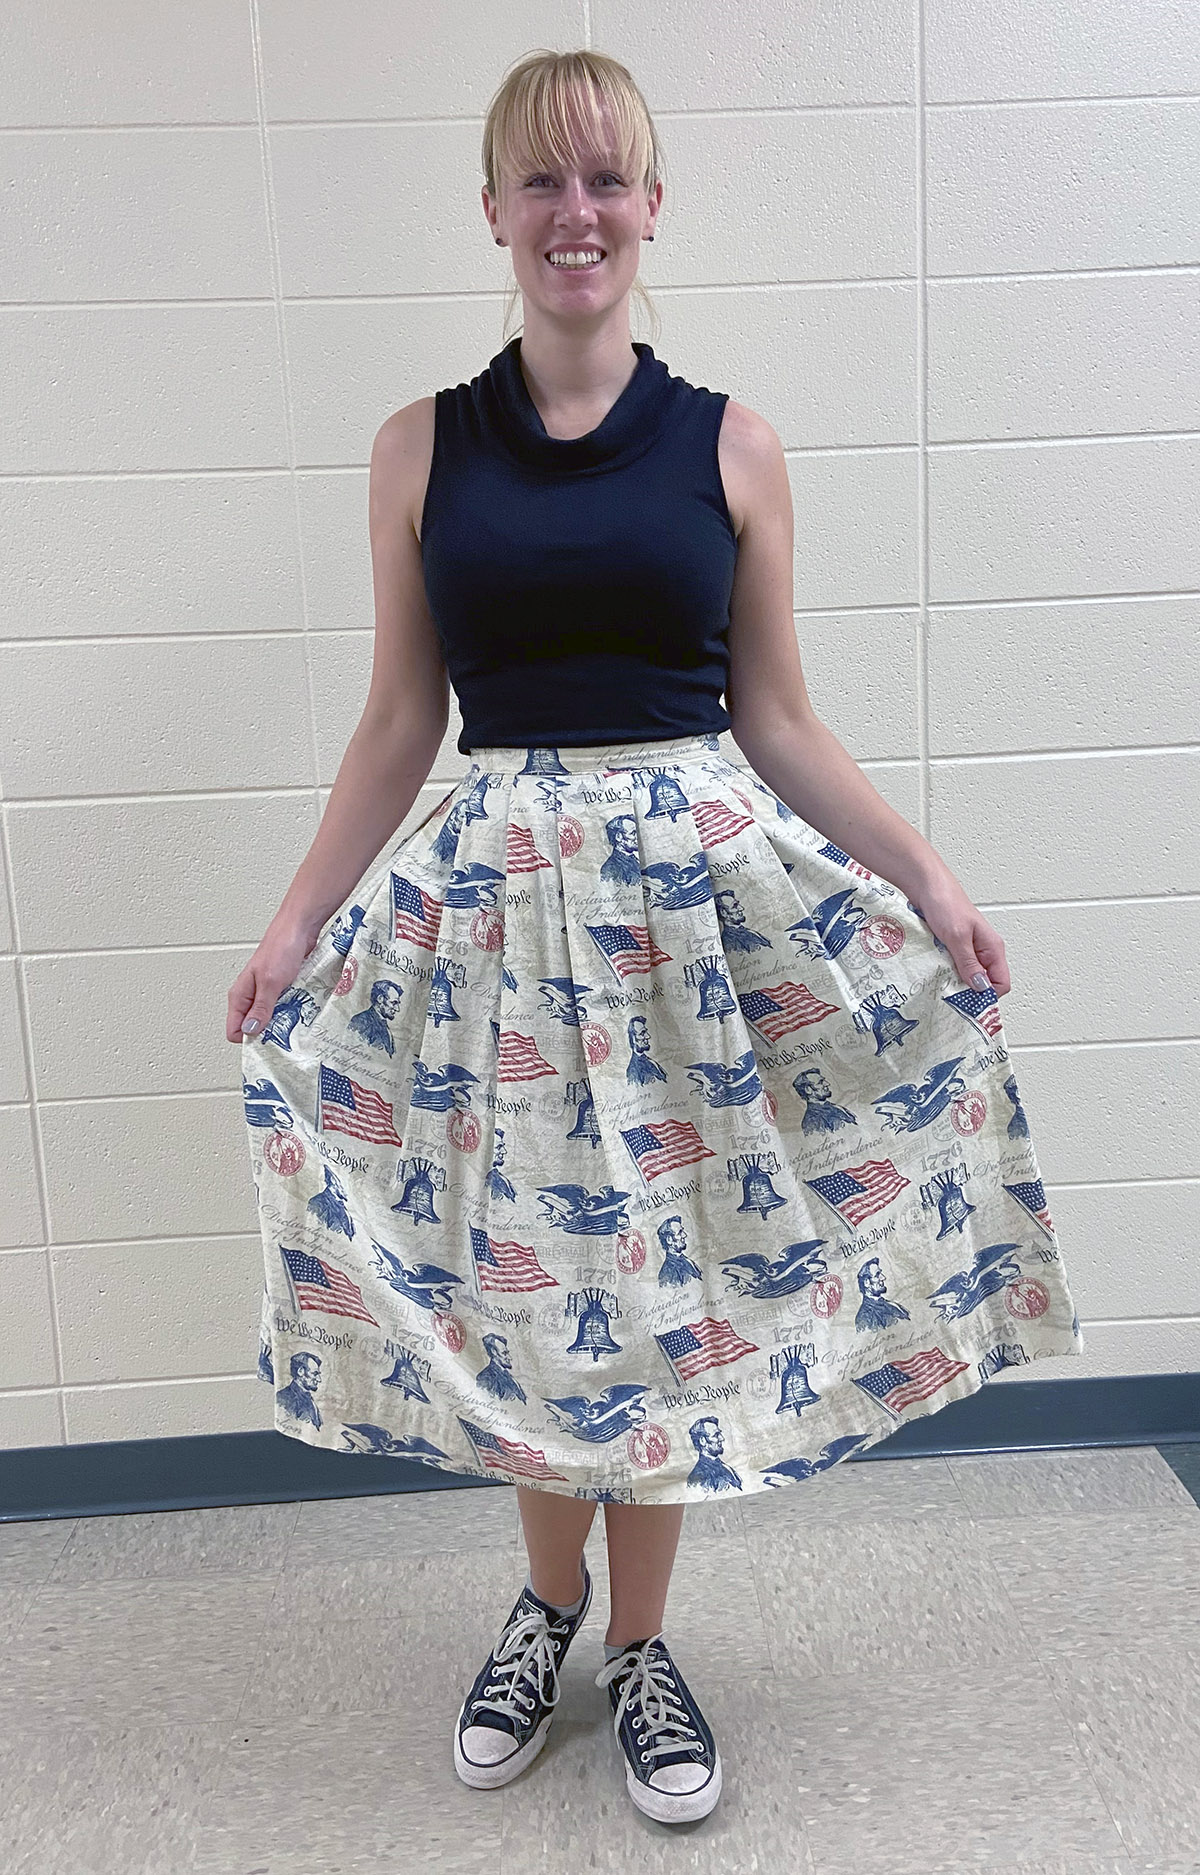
[[625, 1138]]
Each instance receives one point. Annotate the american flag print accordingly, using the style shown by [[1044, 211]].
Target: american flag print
[[982, 1007], [830, 851], [697, 1346], [629, 949], [575, 1169], [716, 822], [665, 1146], [416, 914], [1033, 1197], [782, 1008], [507, 1266], [521, 854], [499, 1454], [856, 1192], [347, 1107], [902, 1382], [318, 1285], [520, 1058]]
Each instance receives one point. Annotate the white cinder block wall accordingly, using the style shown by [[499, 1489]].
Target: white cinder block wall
[[949, 249]]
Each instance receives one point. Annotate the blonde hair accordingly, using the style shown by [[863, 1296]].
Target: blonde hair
[[543, 106]]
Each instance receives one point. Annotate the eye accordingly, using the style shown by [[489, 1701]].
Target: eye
[[606, 175]]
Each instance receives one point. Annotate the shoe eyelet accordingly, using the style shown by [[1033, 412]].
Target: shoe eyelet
[[644, 1757]]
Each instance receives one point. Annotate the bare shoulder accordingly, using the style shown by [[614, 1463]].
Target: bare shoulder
[[751, 460], [400, 461]]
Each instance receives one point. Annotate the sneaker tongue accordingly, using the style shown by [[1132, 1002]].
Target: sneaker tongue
[[487, 1715]]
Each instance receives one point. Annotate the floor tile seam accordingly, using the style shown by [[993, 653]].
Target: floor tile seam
[[19, 1620], [758, 1597], [1085, 1761], [144, 1578]]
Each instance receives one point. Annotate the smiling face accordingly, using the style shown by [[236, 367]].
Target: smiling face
[[591, 205]]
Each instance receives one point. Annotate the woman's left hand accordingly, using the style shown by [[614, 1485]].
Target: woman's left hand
[[974, 945]]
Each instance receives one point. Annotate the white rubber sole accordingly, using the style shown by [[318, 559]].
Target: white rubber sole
[[491, 1776], [675, 1806]]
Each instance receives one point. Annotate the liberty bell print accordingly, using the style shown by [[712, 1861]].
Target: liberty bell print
[[789, 1367], [586, 1125], [417, 1196], [440, 1008], [666, 795], [594, 1336], [755, 1169], [716, 998], [945, 1190], [544, 759]]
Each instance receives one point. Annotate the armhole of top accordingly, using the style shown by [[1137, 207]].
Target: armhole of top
[[722, 403], [433, 464]]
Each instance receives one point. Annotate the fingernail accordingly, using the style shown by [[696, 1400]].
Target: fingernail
[[979, 980], [248, 1028]]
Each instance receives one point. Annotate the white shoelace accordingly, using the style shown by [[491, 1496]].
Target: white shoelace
[[524, 1650], [650, 1679]]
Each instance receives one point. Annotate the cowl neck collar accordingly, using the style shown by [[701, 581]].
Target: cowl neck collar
[[624, 432]]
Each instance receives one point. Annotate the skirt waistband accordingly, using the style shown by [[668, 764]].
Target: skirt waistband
[[548, 758]]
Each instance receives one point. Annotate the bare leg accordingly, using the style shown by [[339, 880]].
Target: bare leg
[[555, 1529], [642, 1540]]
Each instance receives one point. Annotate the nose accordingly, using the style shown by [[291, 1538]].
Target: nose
[[575, 201]]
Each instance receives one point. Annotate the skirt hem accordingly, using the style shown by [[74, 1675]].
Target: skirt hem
[[786, 1467]]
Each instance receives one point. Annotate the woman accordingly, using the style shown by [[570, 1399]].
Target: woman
[[626, 1138]]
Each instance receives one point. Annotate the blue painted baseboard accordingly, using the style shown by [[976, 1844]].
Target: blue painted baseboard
[[268, 1468]]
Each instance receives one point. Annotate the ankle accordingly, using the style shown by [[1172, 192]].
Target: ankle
[[621, 1637], [559, 1590]]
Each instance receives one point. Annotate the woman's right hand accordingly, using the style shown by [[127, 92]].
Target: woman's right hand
[[275, 964]]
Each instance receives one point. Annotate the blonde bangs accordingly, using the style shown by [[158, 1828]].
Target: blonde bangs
[[554, 103]]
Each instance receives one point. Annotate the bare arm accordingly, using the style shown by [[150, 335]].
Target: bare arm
[[773, 720], [775, 726], [392, 750]]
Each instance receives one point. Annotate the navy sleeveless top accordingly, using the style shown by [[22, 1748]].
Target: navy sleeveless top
[[580, 586]]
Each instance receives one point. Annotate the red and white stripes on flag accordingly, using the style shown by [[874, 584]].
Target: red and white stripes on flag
[[520, 1058], [716, 822]]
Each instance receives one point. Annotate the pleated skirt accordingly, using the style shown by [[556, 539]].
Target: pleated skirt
[[623, 1137]]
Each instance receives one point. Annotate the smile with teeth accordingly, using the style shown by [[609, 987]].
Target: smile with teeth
[[579, 258]]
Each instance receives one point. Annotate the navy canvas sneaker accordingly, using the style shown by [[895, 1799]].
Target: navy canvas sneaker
[[503, 1721], [672, 1765]]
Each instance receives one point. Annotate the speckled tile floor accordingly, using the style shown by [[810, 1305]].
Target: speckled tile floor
[[985, 1664]]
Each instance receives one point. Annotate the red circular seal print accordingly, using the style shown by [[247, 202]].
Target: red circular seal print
[[449, 1330], [1027, 1298], [826, 1295], [966, 1113], [570, 835], [880, 936], [284, 1152], [462, 1130], [631, 1251], [348, 978], [597, 1042], [770, 1106], [487, 928], [647, 1447]]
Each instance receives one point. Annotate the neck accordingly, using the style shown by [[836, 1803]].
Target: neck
[[569, 369]]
